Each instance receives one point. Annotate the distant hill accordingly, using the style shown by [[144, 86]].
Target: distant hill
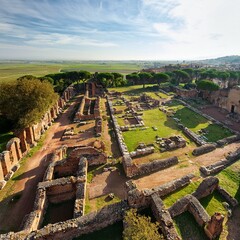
[[234, 59]]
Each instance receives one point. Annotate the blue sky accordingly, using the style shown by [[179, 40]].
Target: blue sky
[[119, 29]]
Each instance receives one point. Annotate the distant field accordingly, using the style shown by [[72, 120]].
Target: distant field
[[11, 71]]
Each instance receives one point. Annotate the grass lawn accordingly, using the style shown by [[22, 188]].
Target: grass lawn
[[152, 118], [98, 203], [5, 132], [172, 198], [136, 90], [196, 122], [230, 179], [4, 138], [188, 228]]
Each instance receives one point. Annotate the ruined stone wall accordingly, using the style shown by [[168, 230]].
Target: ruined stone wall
[[17, 147], [138, 199], [184, 93], [204, 149], [225, 98], [191, 204], [222, 164], [80, 115], [34, 220], [79, 207], [163, 217], [76, 227]]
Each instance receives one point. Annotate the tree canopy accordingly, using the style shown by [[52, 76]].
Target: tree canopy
[[25, 101], [161, 78], [139, 227], [144, 77], [207, 85]]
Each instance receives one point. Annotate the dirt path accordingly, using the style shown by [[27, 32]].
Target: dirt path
[[189, 166], [34, 170]]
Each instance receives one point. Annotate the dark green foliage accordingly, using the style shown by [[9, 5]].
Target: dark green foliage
[[139, 227], [145, 78], [161, 78], [207, 85], [25, 101], [181, 76], [133, 79]]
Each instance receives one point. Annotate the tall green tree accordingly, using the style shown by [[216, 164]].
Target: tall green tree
[[207, 85], [181, 76], [139, 227], [106, 79], [133, 78], [161, 78], [25, 101], [144, 77]]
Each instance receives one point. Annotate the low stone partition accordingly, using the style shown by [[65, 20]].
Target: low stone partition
[[231, 200], [139, 199], [69, 165], [228, 140], [163, 217], [195, 137], [91, 222], [81, 186], [142, 152], [191, 204], [156, 165], [206, 187], [131, 169], [89, 109], [204, 149], [222, 164], [184, 93]]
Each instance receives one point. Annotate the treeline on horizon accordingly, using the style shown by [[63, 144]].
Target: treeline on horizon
[[187, 78]]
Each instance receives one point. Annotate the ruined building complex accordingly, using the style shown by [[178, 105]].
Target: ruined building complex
[[65, 179]]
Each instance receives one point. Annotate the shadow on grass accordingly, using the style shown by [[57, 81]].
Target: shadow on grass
[[141, 90], [113, 232], [189, 118], [188, 227]]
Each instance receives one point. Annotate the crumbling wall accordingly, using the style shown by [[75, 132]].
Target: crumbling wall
[[191, 204], [81, 186], [195, 137], [206, 187], [231, 200], [204, 149], [222, 164], [86, 101], [138, 199], [184, 93], [228, 140], [91, 222], [35, 218], [163, 217]]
